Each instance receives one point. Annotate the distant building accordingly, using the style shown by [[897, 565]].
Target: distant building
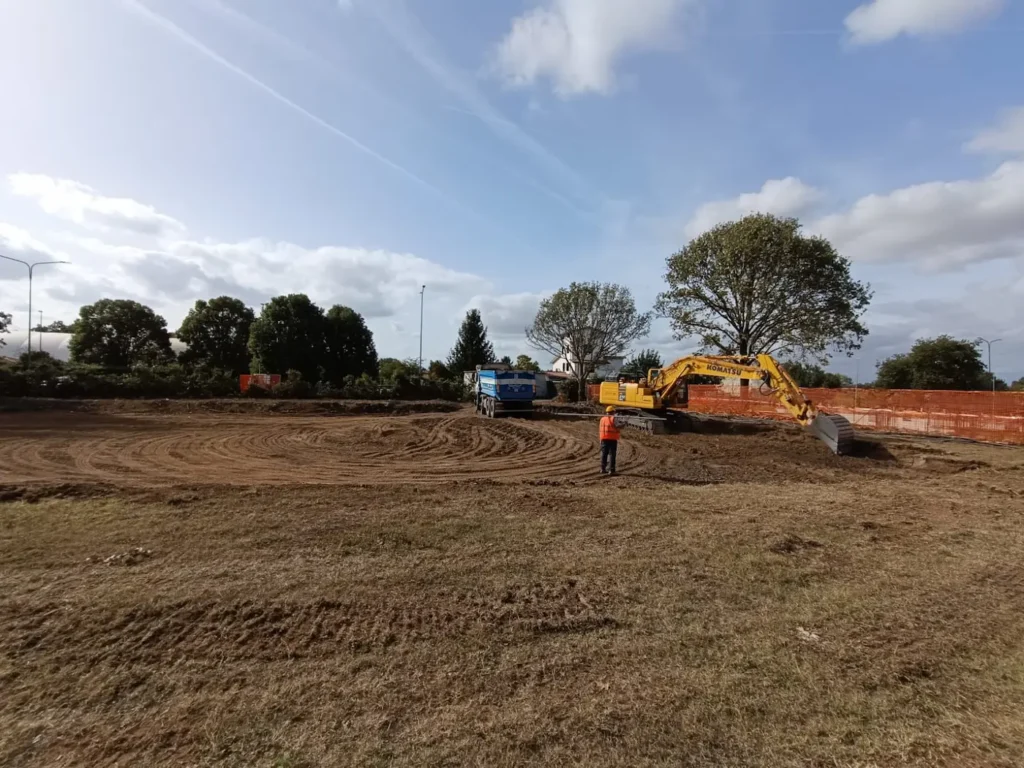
[[606, 368]]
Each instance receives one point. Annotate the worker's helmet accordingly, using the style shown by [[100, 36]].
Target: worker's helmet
[[610, 409]]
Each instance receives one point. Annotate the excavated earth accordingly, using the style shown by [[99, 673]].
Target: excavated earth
[[257, 583]]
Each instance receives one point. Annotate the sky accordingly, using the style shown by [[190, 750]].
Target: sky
[[356, 150]]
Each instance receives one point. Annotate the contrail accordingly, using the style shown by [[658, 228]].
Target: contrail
[[169, 26]]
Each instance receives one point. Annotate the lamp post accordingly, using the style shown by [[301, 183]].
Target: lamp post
[[31, 268], [422, 289], [990, 375], [40, 330]]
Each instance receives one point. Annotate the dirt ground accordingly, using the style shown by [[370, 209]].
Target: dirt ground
[[190, 586]]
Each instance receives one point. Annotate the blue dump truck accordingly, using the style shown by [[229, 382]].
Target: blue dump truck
[[499, 390]]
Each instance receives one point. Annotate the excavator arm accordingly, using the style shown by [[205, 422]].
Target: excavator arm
[[662, 384]]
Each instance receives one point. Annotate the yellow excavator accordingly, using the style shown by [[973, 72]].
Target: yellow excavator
[[657, 403]]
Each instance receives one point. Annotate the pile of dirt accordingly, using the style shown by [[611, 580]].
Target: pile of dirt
[[133, 556], [35, 493]]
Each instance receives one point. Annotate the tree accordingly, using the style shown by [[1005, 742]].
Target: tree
[[119, 333], [472, 347], [642, 362], [350, 347], [57, 326], [439, 371], [527, 363], [587, 323], [1018, 385], [757, 286], [392, 368], [939, 363], [289, 335], [217, 334], [810, 375], [5, 321], [506, 360]]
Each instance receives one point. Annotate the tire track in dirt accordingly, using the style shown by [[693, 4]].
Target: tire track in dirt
[[356, 450]]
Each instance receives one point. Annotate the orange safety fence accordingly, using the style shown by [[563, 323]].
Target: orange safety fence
[[992, 417]]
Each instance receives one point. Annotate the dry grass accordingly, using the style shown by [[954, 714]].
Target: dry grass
[[852, 613]]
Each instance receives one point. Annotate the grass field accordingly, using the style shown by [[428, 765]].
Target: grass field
[[221, 589]]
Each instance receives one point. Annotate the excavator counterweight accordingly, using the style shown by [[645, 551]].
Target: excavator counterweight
[[660, 397]]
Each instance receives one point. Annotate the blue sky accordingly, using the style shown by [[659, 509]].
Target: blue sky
[[354, 150]]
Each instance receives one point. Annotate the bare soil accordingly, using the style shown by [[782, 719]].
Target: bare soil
[[221, 589]]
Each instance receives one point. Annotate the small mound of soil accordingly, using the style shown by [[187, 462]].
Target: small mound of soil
[[792, 544]]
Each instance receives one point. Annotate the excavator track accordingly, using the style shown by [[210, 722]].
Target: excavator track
[[834, 431]]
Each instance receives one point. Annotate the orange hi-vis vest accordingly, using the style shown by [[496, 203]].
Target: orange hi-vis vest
[[608, 429]]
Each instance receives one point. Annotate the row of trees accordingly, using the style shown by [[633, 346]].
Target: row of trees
[[753, 286], [121, 347]]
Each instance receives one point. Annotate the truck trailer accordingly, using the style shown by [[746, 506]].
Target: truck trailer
[[500, 391]]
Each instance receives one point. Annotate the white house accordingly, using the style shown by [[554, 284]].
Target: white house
[[606, 368]]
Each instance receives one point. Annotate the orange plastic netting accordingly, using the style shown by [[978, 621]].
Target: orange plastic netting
[[992, 417]]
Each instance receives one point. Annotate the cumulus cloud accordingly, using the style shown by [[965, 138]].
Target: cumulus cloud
[[19, 244], [1005, 137], [376, 283], [507, 315], [577, 43], [85, 206], [172, 272], [783, 197], [881, 20], [939, 225]]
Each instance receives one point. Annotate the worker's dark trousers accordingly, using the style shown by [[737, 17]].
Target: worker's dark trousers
[[608, 450]]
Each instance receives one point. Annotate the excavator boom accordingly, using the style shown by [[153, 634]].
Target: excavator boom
[[657, 396]]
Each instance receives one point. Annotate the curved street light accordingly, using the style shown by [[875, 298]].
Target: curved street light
[[990, 374], [31, 268]]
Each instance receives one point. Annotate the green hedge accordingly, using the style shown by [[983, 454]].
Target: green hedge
[[39, 375]]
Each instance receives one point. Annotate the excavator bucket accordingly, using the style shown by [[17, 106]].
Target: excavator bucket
[[834, 431]]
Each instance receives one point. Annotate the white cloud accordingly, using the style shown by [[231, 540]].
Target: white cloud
[[375, 283], [1006, 137], [878, 21], [85, 206], [507, 316], [940, 224], [783, 197], [577, 43], [382, 285], [19, 244]]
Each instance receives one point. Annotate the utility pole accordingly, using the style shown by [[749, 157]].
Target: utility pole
[[990, 375], [31, 268], [422, 289]]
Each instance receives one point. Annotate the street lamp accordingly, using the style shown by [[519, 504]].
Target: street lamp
[[990, 375], [31, 267], [422, 289]]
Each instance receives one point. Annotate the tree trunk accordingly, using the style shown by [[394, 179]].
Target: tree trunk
[[744, 348]]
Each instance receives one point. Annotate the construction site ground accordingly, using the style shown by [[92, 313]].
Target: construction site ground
[[258, 584]]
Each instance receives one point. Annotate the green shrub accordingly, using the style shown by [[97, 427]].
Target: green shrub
[[569, 391]]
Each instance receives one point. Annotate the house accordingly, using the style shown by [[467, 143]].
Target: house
[[607, 368]]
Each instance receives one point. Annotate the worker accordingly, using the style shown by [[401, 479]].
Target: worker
[[609, 432]]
